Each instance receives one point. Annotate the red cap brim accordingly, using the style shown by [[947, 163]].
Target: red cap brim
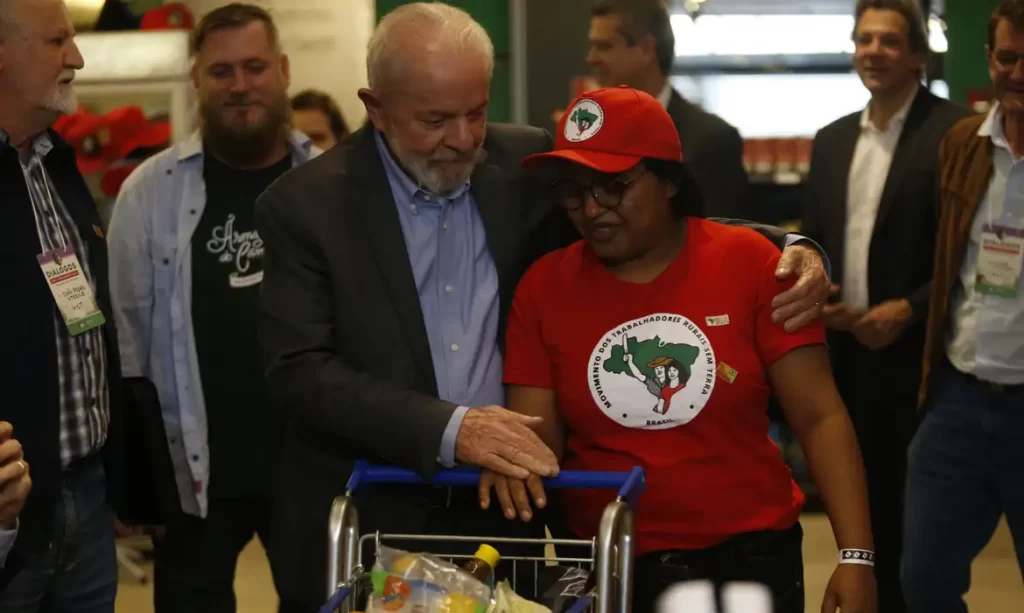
[[112, 179], [90, 165], [600, 161], [156, 135]]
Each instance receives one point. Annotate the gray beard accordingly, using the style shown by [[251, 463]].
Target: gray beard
[[419, 168]]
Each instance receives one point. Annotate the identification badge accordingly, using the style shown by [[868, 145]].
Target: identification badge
[[1000, 260], [71, 290]]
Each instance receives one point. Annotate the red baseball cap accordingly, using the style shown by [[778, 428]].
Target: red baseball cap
[[100, 140], [613, 129], [113, 177], [67, 123], [171, 16]]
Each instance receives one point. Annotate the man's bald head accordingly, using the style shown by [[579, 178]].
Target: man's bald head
[[8, 19], [423, 31], [430, 68]]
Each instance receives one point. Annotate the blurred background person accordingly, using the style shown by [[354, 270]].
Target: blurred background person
[[316, 114], [964, 466], [632, 43], [60, 372], [190, 323], [872, 204]]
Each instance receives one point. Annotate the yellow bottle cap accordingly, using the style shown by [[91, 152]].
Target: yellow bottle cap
[[488, 554]]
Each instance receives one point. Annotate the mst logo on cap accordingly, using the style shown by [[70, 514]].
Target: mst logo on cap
[[585, 120]]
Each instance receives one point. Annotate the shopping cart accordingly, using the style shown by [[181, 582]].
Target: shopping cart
[[609, 555]]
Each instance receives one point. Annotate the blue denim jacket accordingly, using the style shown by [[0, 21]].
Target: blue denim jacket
[[149, 242]]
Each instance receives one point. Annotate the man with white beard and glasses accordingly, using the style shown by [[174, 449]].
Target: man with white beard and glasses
[[59, 368], [390, 265], [186, 267]]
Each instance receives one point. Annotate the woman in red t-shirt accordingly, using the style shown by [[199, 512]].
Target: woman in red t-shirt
[[651, 343]]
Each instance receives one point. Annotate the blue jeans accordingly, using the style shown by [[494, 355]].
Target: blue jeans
[[966, 469], [78, 573]]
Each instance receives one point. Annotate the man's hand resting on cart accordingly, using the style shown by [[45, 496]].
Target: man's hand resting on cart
[[505, 442]]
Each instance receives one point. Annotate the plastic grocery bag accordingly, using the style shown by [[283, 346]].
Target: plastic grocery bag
[[507, 601], [406, 582]]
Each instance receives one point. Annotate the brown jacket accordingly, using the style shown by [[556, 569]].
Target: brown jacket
[[965, 168]]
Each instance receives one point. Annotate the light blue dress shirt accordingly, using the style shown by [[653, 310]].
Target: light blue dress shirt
[[457, 283], [985, 331], [150, 252], [7, 538]]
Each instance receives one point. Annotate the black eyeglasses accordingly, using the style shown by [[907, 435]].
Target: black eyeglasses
[[607, 191]]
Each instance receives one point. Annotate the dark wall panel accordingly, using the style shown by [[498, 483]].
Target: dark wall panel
[[556, 51]]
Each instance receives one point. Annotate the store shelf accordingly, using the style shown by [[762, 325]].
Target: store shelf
[[147, 69], [777, 177], [759, 64]]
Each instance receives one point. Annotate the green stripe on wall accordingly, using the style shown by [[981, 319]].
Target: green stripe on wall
[[493, 16], [967, 31]]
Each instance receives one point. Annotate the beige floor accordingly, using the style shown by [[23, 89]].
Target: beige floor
[[997, 586]]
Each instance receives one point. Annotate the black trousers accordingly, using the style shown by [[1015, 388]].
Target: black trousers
[[195, 562], [884, 418], [772, 558]]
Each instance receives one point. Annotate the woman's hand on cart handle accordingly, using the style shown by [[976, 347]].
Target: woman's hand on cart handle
[[497, 439], [513, 494]]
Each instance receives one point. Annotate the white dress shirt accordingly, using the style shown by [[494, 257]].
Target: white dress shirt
[[986, 333], [665, 95], [868, 173], [7, 538]]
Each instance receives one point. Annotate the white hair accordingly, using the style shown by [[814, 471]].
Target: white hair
[[429, 26]]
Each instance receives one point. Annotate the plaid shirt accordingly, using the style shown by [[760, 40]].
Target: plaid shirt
[[82, 359]]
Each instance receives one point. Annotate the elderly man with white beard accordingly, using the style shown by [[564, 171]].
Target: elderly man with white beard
[[390, 265], [59, 369], [186, 265]]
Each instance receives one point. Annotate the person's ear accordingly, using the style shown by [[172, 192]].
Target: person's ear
[[671, 189], [649, 46], [195, 74], [374, 108], [286, 70]]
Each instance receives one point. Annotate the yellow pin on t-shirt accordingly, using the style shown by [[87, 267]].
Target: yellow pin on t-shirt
[[727, 372]]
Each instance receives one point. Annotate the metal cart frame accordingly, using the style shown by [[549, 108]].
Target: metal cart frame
[[612, 550]]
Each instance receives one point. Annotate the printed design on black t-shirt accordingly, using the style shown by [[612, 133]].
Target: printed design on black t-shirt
[[655, 372], [242, 250]]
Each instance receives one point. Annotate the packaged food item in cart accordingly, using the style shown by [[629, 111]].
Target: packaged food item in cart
[[562, 586], [507, 601], [405, 582]]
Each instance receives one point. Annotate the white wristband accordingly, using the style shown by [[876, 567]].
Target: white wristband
[[857, 556]]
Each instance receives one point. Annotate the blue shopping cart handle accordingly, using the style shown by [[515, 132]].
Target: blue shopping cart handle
[[630, 484]]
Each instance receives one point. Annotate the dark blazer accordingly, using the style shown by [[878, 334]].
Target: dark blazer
[[900, 262], [28, 353], [344, 338], [714, 151]]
